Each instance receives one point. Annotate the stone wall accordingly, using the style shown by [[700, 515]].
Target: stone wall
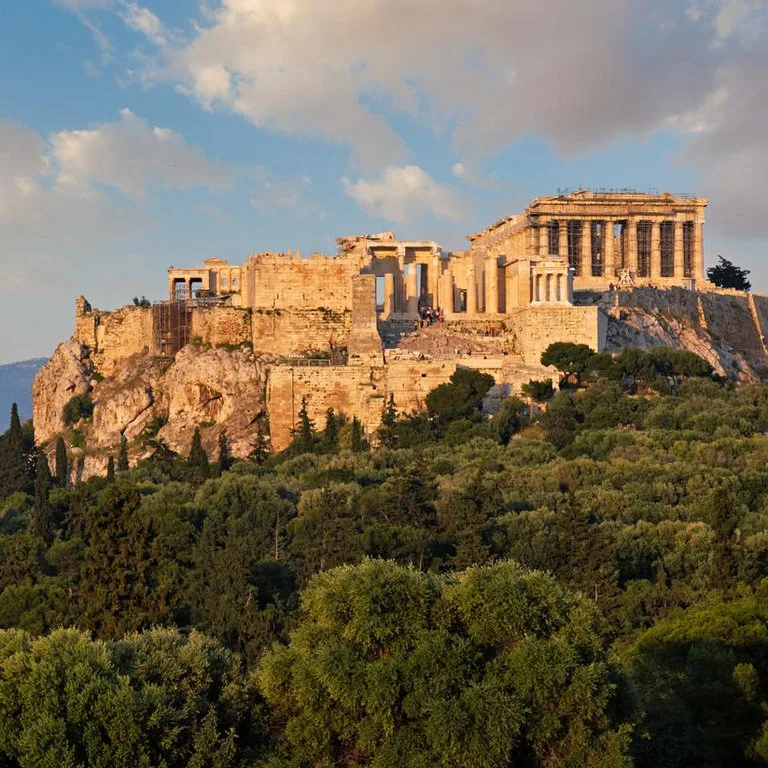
[[221, 325], [278, 281], [294, 331]]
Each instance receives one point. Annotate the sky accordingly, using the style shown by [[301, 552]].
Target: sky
[[135, 136]]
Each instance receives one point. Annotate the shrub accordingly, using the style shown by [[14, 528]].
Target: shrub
[[78, 407]]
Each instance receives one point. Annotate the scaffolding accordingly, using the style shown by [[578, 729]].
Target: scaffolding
[[171, 324]]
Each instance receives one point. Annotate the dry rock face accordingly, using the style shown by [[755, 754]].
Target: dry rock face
[[67, 373], [213, 389]]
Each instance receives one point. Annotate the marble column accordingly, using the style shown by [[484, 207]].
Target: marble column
[[492, 285], [389, 295], [446, 291], [433, 276], [609, 262], [698, 251], [543, 240], [412, 291], [631, 260], [655, 270], [471, 292], [563, 250], [679, 260], [586, 248]]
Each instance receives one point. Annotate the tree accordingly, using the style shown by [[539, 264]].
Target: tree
[[462, 398], [386, 431], [726, 274], [225, 455], [78, 407], [572, 360], [198, 458], [41, 521], [357, 438], [538, 390], [111, 469], [331, 432], [122, 455], [261, 448], [62, 468], [157, 698], [509, 419], [497, 666], [142, 302], [304, 434], [14, 475]]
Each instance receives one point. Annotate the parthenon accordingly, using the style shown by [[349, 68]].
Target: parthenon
[[645, 238]]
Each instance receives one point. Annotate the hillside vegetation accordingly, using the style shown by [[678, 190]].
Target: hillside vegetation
[[575, 582]]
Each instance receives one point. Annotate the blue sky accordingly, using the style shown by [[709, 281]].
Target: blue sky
[[138, 135]]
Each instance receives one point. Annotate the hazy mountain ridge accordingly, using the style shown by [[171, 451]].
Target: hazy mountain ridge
[[16, 387]]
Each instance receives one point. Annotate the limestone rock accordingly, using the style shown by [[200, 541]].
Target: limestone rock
[[65, 375]]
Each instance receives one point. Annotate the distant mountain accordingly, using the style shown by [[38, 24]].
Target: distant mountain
[[16, 387]]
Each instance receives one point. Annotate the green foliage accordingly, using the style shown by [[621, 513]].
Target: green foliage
[[304, 436], [462, 398], [122, 455], [159, 698], [41, 520], [498, 666], [62, 466], [570, 359], [539, 390], [142, 302], [727, 275], [225, 455], [198, 459], [16, 449], [78, 407]]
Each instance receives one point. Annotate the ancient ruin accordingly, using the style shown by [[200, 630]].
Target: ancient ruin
[[386, 317]]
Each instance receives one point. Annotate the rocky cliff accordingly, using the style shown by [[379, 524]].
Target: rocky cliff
[[151, 398]]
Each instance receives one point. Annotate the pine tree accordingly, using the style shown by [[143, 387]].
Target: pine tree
[[261, 448], [111, 470], [13, 461], [357, 435], [331, 432], [198, 458], [41, 520], [122, 456], [386, 432], [62, 466], [225, 456], [304, 435]]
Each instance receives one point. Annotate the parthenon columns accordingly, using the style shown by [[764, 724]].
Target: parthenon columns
[[389, 294], [655, 266], [631, 259], [679, 261], [609, 262], [563, 250], [698, 251], [446, 291], [586, 248]]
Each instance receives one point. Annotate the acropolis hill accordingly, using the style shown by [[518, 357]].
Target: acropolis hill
[[236, 342]]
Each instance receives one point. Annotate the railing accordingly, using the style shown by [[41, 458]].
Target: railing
[[310, 362]]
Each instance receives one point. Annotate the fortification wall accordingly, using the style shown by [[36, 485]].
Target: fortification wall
[[294, 331], [358, 391], [536, 327], [222, 325], [290, 282]]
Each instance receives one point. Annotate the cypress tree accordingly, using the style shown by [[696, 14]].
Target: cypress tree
[[386, 432], [41, 520], [225, 456], [198, 458], [357, 435], [304, 435], [111, 470], [62, 466], [122, 456], [331, 432], [13, 461], [261, 449]]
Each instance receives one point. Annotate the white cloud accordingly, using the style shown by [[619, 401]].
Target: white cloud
[[143, 20], [458, 170], [401, 194], [131, 155]]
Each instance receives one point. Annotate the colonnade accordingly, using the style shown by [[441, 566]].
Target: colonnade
[[635, 244]]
